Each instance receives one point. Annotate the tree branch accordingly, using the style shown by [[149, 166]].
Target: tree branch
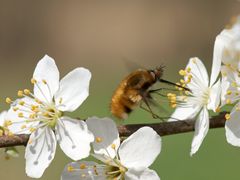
[[163, 129]]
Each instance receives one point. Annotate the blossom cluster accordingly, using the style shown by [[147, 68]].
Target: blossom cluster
[[40, 113]]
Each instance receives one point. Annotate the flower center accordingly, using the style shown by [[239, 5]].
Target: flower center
[[30, 109]]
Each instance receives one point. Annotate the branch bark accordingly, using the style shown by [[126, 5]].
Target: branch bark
[[163, 129]]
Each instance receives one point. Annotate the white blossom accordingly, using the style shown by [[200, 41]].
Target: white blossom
[[41, 114]]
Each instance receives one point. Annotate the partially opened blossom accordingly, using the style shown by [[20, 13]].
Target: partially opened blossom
[[41, 114], [204, 95], [129, 160]]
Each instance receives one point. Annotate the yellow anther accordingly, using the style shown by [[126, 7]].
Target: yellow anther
[[227, 116], [8, 100], [7, 123], [83, 175], [44, 81], [234, 84], [27, 91], [182, 72], [229, 92], [31, 129], [182, 81], [38, 101], [83, 166], [70, 168], [21, 103], [238, 108], [98, 140], [1, 132], [224, 74], [218, 109], [32, 116], [173, 105], [228, 101], [23, 126], [20, 115], [188, 69], [33, 81], [15, 109], [113, 146], [20, 93]]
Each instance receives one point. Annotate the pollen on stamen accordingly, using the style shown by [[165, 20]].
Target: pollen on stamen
[[229, 92], [228, 101], [83, 166], [30, 141], [8, 100], [44, 81], [22, 103], [113, 146], [20, 93], [23, 126], [20, 115], [182, 72], [188, 69], [7, 123], [27, 91], [32, 129], [15, 109], [234, 84], [33, 81], [218, 109], [227, 116], [99, 140], [70, 168]]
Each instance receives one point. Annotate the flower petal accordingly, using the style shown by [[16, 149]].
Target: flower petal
[[215, 96], [74, 89], [147, 174], [85, 170], [140, 149], [201, 129], [185, 112], [217, 59], [3, 115], [40, 151], [47, 76], [74, 137], [199, 75], [106, 134], [20, 125], [232, 127]]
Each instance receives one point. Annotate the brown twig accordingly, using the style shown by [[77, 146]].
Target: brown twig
[[163, 129]]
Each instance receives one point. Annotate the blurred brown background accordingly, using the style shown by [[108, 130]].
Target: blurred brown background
[[100, 35]]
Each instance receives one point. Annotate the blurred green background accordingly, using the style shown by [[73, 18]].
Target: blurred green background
[[99, 35]]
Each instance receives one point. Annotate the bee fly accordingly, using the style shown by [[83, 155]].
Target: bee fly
[[135, 90]]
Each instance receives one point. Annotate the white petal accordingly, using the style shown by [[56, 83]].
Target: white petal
[[201, 129], [147, 174], [74, 89], [46, 70], [199, 74], [91, 170], [140, 149], [40, 152], [215, 96], [217, 59], [74, 137], [18, 122], [3, 115], [232, 127], [183, 113], [106, 130]]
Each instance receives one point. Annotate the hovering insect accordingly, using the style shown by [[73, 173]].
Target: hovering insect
[[135, 90]]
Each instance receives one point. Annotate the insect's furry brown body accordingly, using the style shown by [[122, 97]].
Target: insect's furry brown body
[[132, 90]]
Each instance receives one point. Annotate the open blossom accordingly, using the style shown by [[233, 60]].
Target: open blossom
[[204, 95], [126, 161], [41, 114]]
